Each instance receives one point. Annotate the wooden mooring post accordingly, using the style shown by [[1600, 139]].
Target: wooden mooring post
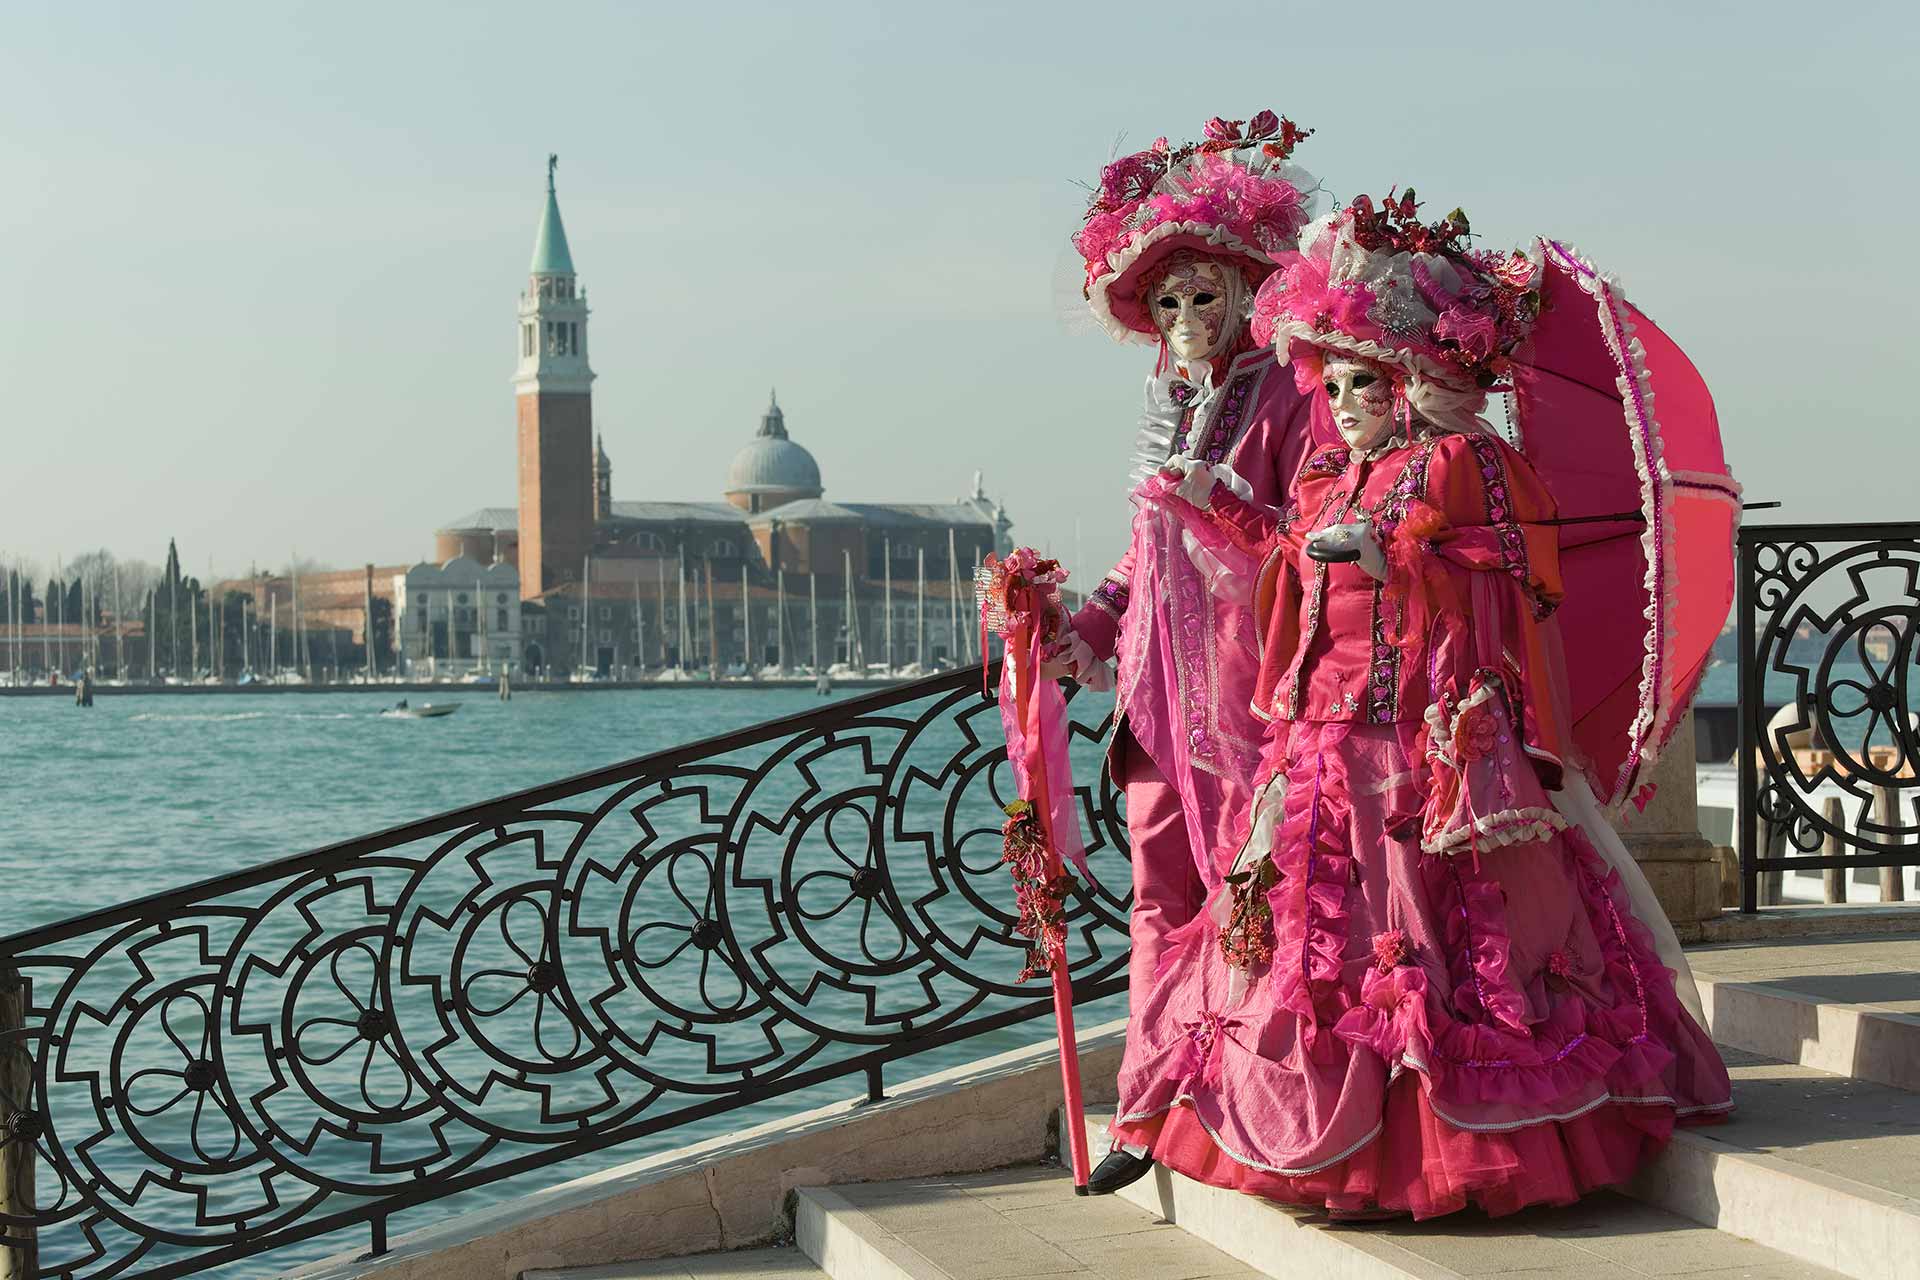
[[1886, 813], [1834, 879], [20, 1251]]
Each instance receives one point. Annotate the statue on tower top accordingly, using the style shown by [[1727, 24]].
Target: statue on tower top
[[553, 162]]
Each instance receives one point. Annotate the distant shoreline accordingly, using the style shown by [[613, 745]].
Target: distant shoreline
[[488, 690]]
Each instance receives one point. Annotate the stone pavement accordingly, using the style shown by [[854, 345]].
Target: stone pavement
[[1845, 1005], [997, 1226], [1875, 970], [1849, 1128], [1026, 1223]]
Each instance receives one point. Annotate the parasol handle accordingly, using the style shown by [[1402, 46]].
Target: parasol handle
[[1332, 555], [1635, 516]]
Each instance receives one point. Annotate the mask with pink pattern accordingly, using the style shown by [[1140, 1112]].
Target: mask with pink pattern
[[1198, 305]]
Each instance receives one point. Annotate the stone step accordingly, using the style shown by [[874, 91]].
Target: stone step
[[1604, 1237], [1819, 1167], [1849, 1006], [995, 1226], [747, 1264]]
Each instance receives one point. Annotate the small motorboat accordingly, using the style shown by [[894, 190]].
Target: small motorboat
[[425, 711]]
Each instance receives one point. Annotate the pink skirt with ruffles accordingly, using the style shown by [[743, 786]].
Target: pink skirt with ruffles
[[1491, 1027]]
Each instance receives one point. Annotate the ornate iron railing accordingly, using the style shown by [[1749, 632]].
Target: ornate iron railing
[[332, 1039], [1830, 610]]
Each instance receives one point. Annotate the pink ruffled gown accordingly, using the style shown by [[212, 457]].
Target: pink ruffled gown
[[1436, 993]]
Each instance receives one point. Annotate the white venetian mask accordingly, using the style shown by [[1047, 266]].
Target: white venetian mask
[[1360, 393], [1195, 306]]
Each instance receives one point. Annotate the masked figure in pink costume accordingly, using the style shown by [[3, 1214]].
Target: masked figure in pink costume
[[1175, 243], [1425, 983]]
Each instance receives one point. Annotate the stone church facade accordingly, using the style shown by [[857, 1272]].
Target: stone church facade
[[772, 575]]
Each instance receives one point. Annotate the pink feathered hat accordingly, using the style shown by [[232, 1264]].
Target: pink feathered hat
[[1232, 196], [1376, 282]]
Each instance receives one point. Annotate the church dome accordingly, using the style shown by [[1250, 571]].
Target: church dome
[[771, 468]]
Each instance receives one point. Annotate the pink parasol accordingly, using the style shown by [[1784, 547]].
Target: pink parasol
[[1649, 582]]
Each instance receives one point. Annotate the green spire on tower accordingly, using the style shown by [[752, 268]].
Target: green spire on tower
[[550, 254]]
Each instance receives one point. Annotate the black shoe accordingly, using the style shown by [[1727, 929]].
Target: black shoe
[[1118, 1170], [1367, 1215]]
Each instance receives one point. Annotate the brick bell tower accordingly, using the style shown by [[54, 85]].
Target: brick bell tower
[[553, 388]]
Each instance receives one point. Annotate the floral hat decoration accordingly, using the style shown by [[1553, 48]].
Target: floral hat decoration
[[1374, 281], [1234, 195]]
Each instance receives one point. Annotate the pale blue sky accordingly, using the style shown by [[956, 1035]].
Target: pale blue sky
[[264, 257]]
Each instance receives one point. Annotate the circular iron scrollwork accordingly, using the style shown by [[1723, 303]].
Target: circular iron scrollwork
[[534, 978], [1853, 700]]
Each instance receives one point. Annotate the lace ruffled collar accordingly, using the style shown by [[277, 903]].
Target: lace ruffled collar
[[1168, 396]]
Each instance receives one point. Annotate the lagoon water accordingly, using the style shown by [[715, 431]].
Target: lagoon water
[[144, 793]]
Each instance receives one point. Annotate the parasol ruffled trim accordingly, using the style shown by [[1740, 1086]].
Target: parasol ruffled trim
[[1653, 720], [1726, 488], [1715, 487]]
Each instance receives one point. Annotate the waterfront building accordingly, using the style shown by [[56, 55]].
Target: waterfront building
[[771, 574], [331, 618], [457, 618]]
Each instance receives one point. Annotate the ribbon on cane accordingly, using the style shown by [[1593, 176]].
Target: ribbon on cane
[[1018, 597]]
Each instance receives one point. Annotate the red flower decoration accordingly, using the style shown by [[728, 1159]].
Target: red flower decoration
[[1218, 130], [1039, 900], [1559, 969], [1390, 950], [1475, 733], [1246, 939]]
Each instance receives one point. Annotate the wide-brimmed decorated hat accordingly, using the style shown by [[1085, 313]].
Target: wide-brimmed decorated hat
[[1374, 281], [1234, 195]]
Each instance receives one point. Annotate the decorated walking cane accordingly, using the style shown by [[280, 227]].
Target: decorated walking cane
[[1020, 602]]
